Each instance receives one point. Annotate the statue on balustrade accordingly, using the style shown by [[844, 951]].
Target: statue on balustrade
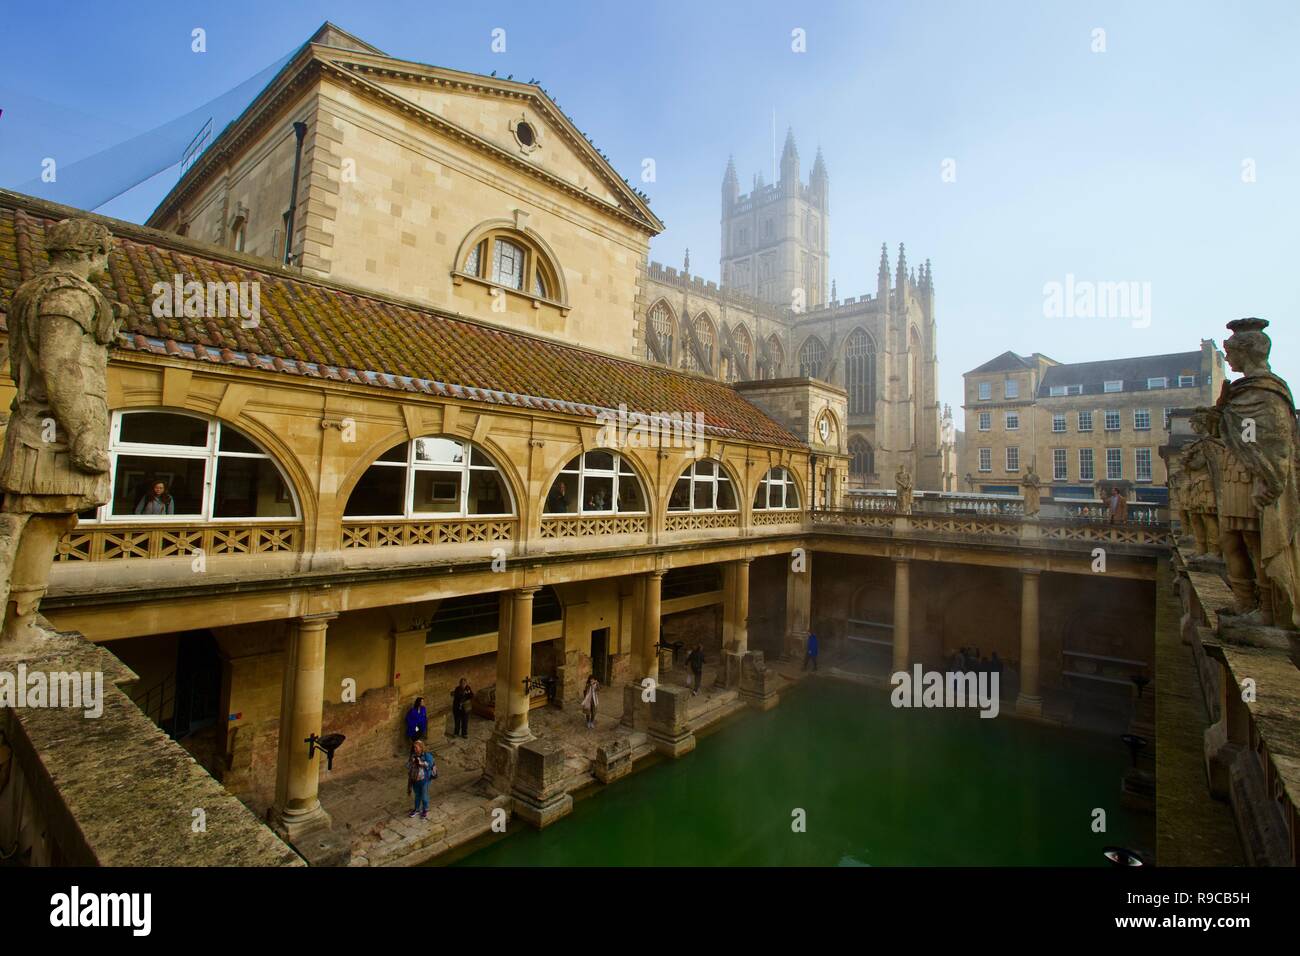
[[1031, 486], [903, 487], [1198, 482], [55, 460], [1258, 495]]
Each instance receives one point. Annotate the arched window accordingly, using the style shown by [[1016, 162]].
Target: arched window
[[431, 478], [812, 358], [598, 482], [208, 471], [704, 486], [863, 456], [661, 325], [509, 259], [743, 349], [777, 491], [238, 233], [705, 336], [860, 373], [775, 357]]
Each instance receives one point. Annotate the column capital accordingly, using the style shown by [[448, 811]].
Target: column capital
[[316, 620], [528, 590], [900, 559], [1031, 571], [657, 572]]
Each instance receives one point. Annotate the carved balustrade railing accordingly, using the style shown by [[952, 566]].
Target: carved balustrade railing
[[112, 542], [395, 534]]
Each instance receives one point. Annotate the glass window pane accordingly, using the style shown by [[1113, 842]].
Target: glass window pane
[[231, 440], [380, 492], [138, 478], [573, 463], [479, 460], [539, 285], [563, 499], [680, 500], [760, 496], [705, 469], [162, 428], [726, 497], [437, 492], [600, 461], [472, 260], [396, 453], [507, 264], [630, 496], [624, 468], [703, 500], [487, 494], [597, 493], [250, 488], [439, 451]]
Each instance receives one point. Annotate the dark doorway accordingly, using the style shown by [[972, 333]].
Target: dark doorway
[[198, 684], [600, 655]]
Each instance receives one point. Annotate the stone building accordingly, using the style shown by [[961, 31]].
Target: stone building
[[1082, 423]]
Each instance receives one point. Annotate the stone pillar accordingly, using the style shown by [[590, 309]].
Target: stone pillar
[[735, 622], [297, 808], [798, 605], [1028, 701], [668, 730], [513, 696], [539, 794], [902, 614], [650, 625]]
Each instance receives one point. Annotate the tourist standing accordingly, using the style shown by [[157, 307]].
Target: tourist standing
[[590, 699], [812, 652], [420, 770], [695, 660], [156, 501], [461, 699], [417, 721]]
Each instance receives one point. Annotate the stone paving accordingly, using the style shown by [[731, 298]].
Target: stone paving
[[370, 807]]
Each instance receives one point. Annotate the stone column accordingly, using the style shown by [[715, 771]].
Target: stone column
[[735, 622], [740, 609], [650, 625], [798, 604], [902, 613], [302, 703], [515, 699], [1028, 700]]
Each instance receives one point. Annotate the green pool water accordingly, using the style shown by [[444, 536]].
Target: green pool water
[[880, 786]]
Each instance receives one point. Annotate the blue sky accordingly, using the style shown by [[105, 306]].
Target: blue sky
[[1117, 166]]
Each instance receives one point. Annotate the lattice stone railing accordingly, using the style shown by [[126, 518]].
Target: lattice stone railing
[[967, 524], [396, 534], [114, 542], [686, 521], [853, 519], [1143, 533], [776, 517], [1129, 533], [590, 526]]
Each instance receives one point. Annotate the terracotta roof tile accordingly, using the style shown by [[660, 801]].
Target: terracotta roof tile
[[311, 329]]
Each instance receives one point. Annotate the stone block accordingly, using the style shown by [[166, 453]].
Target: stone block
[[635, 709], [667, 729], [757, 682], [538, 791], [729, 668], [613, 760]]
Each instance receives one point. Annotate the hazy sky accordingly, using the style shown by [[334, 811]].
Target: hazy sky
[[1126, 165]]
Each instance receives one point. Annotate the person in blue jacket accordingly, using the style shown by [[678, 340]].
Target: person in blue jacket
[[417, 722], [420, 770], [812, 651]]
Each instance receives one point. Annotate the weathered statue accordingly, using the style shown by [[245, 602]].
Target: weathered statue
[[1259, 501], [903, 487], [1200, 461], [1031, 486], [55, 461]]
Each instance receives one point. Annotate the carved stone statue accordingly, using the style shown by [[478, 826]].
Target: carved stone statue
[[903, 486], [1198, 484], [1031, 485], [55, 460], [1258, 497]]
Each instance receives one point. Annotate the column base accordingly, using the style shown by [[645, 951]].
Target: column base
[[671, 745], [1028, 706], [501, 759], [538, 792], [309, 833], [729, 669], [613, 761]]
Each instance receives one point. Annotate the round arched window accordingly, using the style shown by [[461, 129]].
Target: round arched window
[[704, 486], [777, 491], [431, 477], [597, 482], [173, 466]]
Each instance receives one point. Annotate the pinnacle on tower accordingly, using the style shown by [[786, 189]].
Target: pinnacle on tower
[[789, 159], [902, 265], [819, 166], [686, 266], [730, 183], [883, 274]]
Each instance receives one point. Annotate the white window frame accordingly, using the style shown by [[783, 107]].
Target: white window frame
[[719, 476], [1114, 385], [1008, 418], [211, 452], [1137, 413], [1081, 425], [985, 459], [1010, 388], [1106, 419], [1137, 465], [1013, 450], [784, 480], [1118, 457], [1060, 465], [985, 391], [616, 472], [1160, 381], [1088, 473], [1186, 381], [1058, 418], [986, 421], [1056, 391], [412, 467]]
